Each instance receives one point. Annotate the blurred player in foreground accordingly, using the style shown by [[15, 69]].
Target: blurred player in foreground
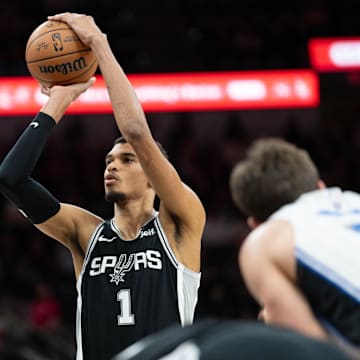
[[210, 339], [301, 260]]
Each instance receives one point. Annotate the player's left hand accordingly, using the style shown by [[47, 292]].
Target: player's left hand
[[83, 25]]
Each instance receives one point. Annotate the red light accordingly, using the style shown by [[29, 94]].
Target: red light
[[180, 92], [335, 54]]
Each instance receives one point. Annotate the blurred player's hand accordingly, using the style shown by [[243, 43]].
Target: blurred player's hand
[[262, 316]]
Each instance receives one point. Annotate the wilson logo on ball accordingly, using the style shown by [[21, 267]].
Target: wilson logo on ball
[[64, 68]]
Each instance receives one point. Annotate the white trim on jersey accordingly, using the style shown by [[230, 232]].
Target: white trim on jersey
[[188, 350], [180, 293], [118, 232], [329, 273], [92, 241], [91, 244], [188, 281], [165, 243]]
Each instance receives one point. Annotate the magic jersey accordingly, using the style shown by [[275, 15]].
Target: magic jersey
[[326, 225], [129, 289]]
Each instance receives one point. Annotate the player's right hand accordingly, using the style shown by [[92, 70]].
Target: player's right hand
[[67, 92]]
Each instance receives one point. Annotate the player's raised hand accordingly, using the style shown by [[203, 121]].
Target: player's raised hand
[[61, 96], [71, 92], [84, 26]]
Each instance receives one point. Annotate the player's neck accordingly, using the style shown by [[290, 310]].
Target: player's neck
[[131, 217]]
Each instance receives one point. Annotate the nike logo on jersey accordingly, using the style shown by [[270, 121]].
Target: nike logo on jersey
[[105, 239], [34, 124]]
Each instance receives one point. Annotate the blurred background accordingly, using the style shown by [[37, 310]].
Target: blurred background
[[38, 294]]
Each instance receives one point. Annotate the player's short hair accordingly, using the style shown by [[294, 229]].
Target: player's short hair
[[274, 173], [122, 140]]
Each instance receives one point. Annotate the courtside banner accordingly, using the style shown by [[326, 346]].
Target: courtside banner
[[335, 54], [179, 92]]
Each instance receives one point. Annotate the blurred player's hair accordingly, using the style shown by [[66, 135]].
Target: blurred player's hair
[[274, 173]]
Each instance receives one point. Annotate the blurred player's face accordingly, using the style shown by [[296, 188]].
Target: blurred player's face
[[124, 178]]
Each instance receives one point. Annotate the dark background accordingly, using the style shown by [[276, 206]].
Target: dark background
[[38, 295]]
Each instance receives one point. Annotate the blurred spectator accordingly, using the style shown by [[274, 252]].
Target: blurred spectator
[[45, 309]]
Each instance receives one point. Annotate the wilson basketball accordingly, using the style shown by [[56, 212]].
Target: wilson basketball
[[56, 56]]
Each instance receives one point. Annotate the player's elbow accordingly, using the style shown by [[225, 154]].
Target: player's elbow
[[134, 132], [7, 179]]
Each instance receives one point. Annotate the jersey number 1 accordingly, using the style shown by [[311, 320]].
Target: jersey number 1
[[125, 317]]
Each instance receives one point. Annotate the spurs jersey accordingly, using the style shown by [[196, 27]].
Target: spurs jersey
[[130, 288], [326, 225]]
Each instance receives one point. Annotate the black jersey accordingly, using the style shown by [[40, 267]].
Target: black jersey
[[129, 289]]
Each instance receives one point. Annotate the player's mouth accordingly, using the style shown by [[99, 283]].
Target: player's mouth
[[110, 179]]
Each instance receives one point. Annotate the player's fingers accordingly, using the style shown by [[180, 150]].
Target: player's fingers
[[45, 90], [82, 87], [91, 82], [59, 17], [66, 16]]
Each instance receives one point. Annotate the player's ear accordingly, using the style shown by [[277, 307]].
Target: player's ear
[[252, 222], [321, 184]]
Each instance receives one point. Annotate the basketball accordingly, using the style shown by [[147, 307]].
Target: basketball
[[56, 56]]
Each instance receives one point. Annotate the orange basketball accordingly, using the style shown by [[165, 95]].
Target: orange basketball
[[56, 56]]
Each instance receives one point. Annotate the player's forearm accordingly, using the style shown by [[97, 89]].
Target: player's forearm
[[127, 109], [296, 319], [15, 181], [22, 158]]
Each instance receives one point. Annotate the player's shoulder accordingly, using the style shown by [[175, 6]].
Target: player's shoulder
[[84, 220], [263, 241], [270, 229]]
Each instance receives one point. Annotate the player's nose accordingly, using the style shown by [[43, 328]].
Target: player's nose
[[111, 167]]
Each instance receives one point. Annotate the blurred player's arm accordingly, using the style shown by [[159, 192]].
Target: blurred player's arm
[[181, 204], [282, 302], [59, 221]]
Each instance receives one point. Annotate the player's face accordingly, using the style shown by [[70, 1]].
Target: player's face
[[124, 178]]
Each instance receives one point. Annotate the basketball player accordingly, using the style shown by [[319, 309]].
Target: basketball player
[[140, 271], [300, 262]]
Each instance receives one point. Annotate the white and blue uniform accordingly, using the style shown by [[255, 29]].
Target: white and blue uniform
[[326, 225]]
